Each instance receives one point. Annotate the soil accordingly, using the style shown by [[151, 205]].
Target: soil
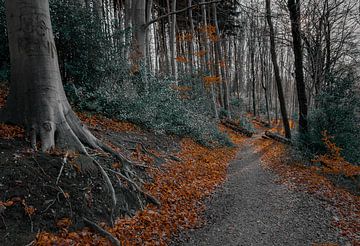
[[253, 209], [42, 192]]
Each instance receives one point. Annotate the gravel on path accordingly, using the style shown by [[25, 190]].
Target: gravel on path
[[252, 209]]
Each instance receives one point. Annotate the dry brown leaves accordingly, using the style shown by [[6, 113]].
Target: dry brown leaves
[[10, 131], [102, 122], [181, 188], [3, 94], [299, 176]]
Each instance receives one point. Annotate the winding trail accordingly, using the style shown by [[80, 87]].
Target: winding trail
[[252, 209]]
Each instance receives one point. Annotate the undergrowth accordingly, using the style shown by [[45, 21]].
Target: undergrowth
[[161, 109], [337, 112]]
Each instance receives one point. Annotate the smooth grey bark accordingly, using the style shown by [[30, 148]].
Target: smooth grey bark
[[138, 14], [37, 99]]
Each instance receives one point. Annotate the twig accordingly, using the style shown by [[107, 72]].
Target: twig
[[66, 198], [37, 163], [49, 206], [102, 232], [31, 243], [62, 167]]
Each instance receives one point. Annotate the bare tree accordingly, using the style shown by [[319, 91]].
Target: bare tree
[[277, 71], [295, 14]]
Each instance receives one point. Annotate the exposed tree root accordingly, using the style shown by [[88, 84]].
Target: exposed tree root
[[158, 160], [150, 198], [110, 187], [64, 130], [102, 232]]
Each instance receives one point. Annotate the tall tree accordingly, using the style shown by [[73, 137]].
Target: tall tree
[[37, 99], [277, 71], [295, 13]]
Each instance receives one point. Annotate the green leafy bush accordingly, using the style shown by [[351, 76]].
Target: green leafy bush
[[161, 109], [337, 112]]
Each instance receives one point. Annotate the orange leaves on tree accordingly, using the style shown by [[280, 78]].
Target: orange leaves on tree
[[200, 53], [208, 80], [182, 59], [210, 30]]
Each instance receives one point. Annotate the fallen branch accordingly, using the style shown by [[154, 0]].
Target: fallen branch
[[263, 123], [232, 125], [102, 232], [278, 138]]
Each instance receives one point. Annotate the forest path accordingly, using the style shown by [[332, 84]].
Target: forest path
[[252, 209]]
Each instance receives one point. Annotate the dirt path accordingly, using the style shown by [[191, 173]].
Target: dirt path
[[251, 209]]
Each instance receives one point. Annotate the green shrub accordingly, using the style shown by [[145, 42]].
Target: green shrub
[[337, 112], [161, 109]]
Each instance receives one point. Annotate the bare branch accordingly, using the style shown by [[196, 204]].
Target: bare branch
[[179, 11]]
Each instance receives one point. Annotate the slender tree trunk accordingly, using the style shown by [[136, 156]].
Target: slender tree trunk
[[207, 53], [191, 42], [277, 72], [294, 9], [221, 59], [173, 42]]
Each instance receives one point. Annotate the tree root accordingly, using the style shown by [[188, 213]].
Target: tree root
[[149, 197], [111, 190], [64, 130], [102, 232]]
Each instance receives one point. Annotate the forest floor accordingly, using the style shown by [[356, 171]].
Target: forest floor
[[254, 207], [252, 194]]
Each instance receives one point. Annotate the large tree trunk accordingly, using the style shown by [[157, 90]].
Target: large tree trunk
[[294, 9], [277, 72], [37, 99]]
